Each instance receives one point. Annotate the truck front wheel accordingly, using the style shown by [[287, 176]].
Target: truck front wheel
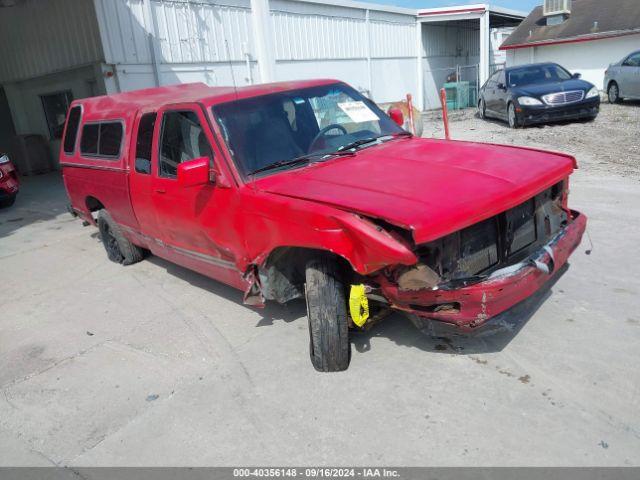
[[119, 248], [327, 312]]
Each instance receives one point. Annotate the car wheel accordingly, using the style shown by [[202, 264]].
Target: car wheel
[[511, 116], [329, 346], [7, 202], [119, 248], [613, 92], [482, 109]]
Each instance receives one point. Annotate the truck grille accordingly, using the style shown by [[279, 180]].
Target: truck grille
[[499, 241], [562, 98]]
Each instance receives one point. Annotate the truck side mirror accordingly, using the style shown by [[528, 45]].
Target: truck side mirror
[[194, 172], [576, 75], [397, 116]]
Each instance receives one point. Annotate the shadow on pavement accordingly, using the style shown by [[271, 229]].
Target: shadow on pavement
[[494, 336], [272, 312], [41, 198]]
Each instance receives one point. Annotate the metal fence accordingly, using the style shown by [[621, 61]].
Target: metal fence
[[461, 83], [494, 67]]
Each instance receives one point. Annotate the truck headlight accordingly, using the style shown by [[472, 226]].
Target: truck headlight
[[4, 159], [529, 101], [594, 92]]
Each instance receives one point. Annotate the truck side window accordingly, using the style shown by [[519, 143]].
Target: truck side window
[[144, 142], [110, 139], [89, 140], [72, 130], [101, 139], [181, 139]]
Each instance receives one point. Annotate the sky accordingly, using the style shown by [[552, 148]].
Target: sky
[[524, 5]]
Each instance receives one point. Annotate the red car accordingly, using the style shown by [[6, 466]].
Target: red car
[[9, 184], [307, 189]]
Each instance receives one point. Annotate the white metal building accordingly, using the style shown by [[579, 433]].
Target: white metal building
[[58, 50]]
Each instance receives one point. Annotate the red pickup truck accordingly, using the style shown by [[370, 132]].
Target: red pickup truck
[[307, 189]]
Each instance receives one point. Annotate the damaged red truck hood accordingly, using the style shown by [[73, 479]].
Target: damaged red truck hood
[[432, 187]]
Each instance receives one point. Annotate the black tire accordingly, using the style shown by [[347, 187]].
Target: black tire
[[482, 109], [119, 249], [613, 93], [329, 346], [512, 117], [7, 202]]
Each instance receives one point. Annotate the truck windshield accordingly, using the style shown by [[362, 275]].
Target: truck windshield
[[283, 126]]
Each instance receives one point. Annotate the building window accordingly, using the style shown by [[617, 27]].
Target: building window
[[55, 110]]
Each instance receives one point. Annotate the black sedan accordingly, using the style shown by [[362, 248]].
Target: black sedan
[[537, 93]]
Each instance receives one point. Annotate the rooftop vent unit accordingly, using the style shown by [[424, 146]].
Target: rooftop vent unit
[[556, 7]]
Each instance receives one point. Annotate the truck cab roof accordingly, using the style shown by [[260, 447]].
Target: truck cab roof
[[123, 104]]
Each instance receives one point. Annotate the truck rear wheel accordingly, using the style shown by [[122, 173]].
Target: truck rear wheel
[[329, 346], [119, 248]]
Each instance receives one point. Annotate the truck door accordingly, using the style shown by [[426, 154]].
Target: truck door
[[188, 218], [140, 179]]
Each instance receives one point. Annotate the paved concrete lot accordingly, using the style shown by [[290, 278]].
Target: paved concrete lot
[[155, 365]]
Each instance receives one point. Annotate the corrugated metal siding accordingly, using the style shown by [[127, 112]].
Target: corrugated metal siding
[[202, 32], [317, 37], [390, 39], [311, 37], [40, 37], [188, 32], [126, 39]]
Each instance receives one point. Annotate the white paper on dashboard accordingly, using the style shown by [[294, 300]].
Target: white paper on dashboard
[[358, 112]]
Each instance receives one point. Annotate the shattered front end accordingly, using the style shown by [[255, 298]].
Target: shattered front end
[[476, 273]]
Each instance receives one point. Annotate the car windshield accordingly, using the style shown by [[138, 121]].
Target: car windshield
[[280, 127], [537, 74]]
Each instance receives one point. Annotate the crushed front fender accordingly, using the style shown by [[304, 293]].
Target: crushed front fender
[[471, 306]]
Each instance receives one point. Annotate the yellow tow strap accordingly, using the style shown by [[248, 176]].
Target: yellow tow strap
[[358, 305]]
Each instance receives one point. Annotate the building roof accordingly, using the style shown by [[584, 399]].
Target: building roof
[[614, 18], [470, 8], [365, 6]]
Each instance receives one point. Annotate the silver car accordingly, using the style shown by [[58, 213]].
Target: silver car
[[622, 79]]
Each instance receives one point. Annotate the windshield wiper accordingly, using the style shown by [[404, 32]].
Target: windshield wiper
[[281, 163], [299, 160], [364, 141], [357, 143], [403, 133]]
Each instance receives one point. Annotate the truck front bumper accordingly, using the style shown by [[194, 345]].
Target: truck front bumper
[[471, 306]]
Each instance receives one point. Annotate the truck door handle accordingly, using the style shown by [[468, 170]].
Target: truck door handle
[[160, 190]]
